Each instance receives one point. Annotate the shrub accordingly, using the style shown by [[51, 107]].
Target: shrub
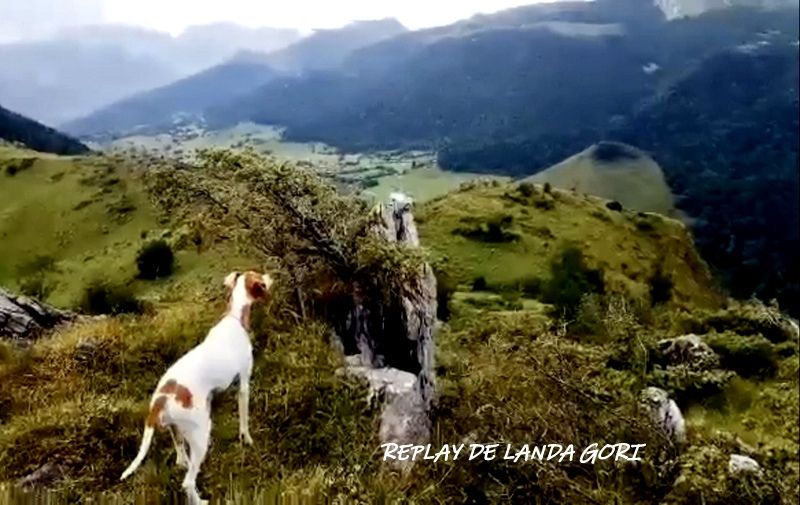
[[570, 279], [660, 287], [479, 283], [155, 260], [547, 187], [445, 287], [101, 297], [615, 206], [527, 189], [749, 356]]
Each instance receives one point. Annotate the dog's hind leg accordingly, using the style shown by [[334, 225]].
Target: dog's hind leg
[[180, 447], [198, 438]]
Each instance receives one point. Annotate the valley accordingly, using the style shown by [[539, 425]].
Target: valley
[[375, 175]]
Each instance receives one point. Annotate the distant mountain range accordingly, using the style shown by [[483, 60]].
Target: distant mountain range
[[83, 69], [16, 128], [240, 75]]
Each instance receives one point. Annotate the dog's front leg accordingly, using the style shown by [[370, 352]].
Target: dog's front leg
[[244, 407]]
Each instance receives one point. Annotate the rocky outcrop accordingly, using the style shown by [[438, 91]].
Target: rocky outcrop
[[45, 476], [664, 413], [688, 350], [23, 318], [393, 337]]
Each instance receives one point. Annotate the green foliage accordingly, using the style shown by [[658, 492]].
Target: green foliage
[[479, 283], [494, 230], [571, 279], [660, 286], [13, 167], [34, 276], [155, 259], [17, 128], [688, 386], [101, 297], [747, 355]]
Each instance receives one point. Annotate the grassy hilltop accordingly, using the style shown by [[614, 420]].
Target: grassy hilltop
[[507, 371]]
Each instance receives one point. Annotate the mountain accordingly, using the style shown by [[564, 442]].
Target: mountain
[[727, 137], [327, 49], [191, 95], [17, 128], [513, 73], [83, 69], [473, 88], [226, 82], [613, 171]]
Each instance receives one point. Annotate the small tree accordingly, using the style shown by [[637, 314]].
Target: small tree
[[571, 279], [155, 260]]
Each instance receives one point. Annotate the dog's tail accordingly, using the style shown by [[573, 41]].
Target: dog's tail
[[146, 440], [153, 420]]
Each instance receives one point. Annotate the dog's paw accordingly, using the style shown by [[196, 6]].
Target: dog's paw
[[245, 438]]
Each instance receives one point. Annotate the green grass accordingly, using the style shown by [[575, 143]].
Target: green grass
[[505, 371], [611, 240], [86, 218], [638, 184]]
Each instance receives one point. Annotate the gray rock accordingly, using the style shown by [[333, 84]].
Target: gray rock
[[394, 338], [743, 464], [689, 350], [45, 476], [664, 412], [22, 317]]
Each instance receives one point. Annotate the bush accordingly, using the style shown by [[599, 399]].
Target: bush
[[479, 283], [660, 287], [571, 279], [155, 260], [749, 356], [527, 189], [104, 298], [445, 287], [615, 206], [547, 187]]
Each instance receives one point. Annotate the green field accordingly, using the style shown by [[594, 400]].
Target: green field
[[377, 174]]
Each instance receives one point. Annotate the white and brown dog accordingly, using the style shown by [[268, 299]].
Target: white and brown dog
[[182, 399]]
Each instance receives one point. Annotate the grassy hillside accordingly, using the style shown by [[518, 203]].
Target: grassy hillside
[[506, 373], [68, 221], [614, 172], [535, 226]]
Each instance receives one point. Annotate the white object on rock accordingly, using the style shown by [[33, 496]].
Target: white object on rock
[[665, 413], [739, 463]]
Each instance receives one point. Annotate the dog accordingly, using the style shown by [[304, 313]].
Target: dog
[[182, 399]]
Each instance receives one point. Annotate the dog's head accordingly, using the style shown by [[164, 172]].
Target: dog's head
[[255, 286]]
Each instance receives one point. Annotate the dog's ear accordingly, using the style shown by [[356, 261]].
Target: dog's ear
[[230, 280], [268, 280]]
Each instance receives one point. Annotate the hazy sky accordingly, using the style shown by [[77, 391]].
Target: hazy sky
[[36, 18]]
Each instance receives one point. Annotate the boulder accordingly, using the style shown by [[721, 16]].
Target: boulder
[[664, 412], [688, 350], [23, 318], [742, 464]]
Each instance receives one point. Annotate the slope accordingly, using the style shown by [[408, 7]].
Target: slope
[[614, 172], [726, 135], [17, 128], [66, 222], [225, 83], [191, 95], [509, 235]]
